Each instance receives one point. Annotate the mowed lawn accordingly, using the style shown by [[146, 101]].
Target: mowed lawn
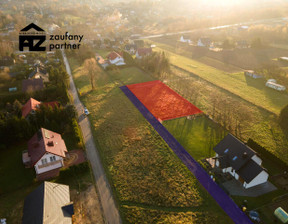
[[198, 136], [248, 89], [150, 183]]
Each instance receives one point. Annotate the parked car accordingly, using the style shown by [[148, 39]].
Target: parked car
[[86, 111]]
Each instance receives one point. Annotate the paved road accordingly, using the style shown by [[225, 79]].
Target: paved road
[[225, 202], [110, 211], [278, 19]]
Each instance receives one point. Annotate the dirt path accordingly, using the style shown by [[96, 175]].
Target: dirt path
[[110, 211]]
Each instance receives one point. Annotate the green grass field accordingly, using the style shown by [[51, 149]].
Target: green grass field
[[248, 89], [198, 136], [145, 175]]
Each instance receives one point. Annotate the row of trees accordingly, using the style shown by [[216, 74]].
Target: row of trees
[[227, 111], [157, 63], [15, 128]]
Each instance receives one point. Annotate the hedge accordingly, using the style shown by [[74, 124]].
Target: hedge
[[74, 170], [265, 153]]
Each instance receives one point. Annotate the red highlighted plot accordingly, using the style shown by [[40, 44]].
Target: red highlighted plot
[[161, 101]]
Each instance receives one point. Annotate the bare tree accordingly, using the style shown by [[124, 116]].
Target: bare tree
[[92, 68]]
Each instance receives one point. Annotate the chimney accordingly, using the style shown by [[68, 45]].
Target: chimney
[[244, 156]]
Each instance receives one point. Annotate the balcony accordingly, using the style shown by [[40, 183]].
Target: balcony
[[49, 164]]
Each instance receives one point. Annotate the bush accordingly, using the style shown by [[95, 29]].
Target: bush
[[74, 170], [76, 130], [265, 153], [283, 118]]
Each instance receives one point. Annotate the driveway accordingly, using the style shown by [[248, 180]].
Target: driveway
[[110, 211]]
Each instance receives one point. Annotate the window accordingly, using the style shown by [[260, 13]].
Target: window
[[226, 150], [44, 161], [234, 158], [52, 158]]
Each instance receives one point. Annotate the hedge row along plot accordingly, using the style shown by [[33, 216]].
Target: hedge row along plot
[[162, 101]]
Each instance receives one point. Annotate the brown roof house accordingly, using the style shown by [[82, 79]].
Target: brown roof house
[[32, 105], [46, 151], [39, 73], [31, 85], [115, 58], [142, 52], [49, 203]]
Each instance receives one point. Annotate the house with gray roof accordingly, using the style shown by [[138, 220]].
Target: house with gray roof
[[49, 203], [236, 158]]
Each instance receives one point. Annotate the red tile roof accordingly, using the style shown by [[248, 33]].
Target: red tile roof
[[45, 141], [52, 104], [31, 104], [113, 55], [144, 51]]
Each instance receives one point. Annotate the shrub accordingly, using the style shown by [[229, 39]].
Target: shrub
[[264, 152]]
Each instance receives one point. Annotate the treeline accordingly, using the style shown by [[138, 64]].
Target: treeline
[[157, 64], [283, 119], [265, 153], [52, 93], [15, 128], [220, 107]]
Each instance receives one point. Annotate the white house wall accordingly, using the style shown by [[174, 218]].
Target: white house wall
[[48, 168], [256, 159], [117, 61], [260, 179]]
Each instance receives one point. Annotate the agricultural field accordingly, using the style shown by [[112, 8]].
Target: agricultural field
[[247, 58], [145, 175], [254, 122], [236, 83]]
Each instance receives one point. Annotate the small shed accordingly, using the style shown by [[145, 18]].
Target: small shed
[[284, 59], [252, 74], [281, 214], [13, 89], [271, 83]]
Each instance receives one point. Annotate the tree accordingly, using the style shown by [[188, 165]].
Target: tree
[[128, 58], [92, 68]]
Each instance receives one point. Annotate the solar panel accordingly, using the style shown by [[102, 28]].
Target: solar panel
[[46, 133]]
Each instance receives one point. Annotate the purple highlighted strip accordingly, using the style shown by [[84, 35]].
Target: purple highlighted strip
[[225, 202]]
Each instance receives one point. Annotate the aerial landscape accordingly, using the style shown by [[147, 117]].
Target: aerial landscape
[[144, 111]]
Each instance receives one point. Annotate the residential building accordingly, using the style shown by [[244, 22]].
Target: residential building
[[239, 160], [46, 151], [115, 58], [143, 52], [204, 42], [32, 105], [185, 39], [48, 203], [39, 73]]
